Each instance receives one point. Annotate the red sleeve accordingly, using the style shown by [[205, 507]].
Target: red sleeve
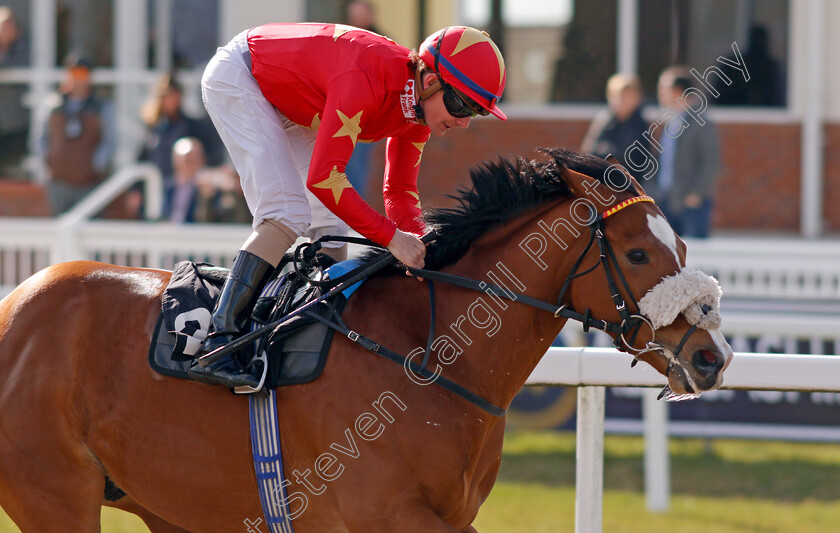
[[402, 201], [350, 100]]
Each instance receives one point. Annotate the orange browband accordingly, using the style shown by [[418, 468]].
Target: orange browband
[[618, 207]]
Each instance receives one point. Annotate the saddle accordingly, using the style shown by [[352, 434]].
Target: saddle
[[291, 353]]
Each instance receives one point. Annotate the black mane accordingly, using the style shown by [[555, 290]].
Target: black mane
[[500, 192]]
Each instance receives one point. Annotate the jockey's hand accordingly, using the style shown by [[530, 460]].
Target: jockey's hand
[[408, 249]]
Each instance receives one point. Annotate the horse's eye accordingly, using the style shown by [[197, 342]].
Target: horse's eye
[[638, 257]]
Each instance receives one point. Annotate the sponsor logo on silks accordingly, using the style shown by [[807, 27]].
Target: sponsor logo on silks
[[408, 99]]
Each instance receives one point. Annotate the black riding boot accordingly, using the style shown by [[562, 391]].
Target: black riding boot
[[240, 292]]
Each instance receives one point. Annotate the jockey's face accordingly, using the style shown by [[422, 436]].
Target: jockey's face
[[435, 114]]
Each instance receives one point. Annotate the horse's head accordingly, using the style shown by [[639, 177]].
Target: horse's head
[[633, 276]]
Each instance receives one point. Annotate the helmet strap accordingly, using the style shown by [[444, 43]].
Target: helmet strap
[[424, 92]]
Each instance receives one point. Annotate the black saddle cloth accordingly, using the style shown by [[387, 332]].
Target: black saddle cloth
[[296, 351]]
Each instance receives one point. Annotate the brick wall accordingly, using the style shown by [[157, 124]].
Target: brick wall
[[831, 198], [759, 186], [22, 199], [447, 161], [758, 189]]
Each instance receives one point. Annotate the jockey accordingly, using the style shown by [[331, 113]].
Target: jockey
[[290, 102]]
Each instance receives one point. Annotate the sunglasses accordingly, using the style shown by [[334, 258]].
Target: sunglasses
[[460, 106]]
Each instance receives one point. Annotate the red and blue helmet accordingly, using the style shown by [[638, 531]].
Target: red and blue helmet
[[468, 60]]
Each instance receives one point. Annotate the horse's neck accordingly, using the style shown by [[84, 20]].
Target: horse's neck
[[502, 341]]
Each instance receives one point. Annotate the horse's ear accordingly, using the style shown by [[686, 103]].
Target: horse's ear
[[583, 186], [638, 186], [635, 184]]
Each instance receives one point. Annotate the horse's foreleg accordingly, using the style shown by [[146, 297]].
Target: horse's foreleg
[[49, 482], [47, 495]]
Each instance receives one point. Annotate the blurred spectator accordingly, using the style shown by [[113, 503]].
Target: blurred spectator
[[616, 128], [361, 14], [78, 139], [14, 117], [200, 193], [689, 159], [220, 197], [766, 86], [180, 199], [166, 123]]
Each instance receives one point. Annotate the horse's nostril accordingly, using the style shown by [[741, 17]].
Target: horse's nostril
[[706, 362]]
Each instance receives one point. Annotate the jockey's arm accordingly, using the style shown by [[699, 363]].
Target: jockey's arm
[[402, 200], [341, 124]]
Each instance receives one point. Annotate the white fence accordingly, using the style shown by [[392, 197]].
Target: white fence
[[784, 290], [764, 267], [593, 369], [30, 244]]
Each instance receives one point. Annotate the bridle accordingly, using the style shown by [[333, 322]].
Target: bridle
[[629, 325], [626, 330]]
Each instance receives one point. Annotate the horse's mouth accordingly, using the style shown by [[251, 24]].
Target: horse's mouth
[[694, 374]]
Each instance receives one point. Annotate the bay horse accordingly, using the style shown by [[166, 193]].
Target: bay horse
[[84, 421]]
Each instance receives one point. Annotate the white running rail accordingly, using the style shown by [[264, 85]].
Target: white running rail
[[592, 369]]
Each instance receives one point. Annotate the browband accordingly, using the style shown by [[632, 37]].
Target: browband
[[626, 203]]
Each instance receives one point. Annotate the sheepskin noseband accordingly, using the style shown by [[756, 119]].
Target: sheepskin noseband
[[685, 292]]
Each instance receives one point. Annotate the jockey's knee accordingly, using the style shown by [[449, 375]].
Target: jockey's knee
[[270, 240]]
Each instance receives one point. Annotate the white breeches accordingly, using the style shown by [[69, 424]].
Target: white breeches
[[270, 152]]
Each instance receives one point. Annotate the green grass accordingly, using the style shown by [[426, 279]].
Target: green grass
[[720, 486], [724, 486]]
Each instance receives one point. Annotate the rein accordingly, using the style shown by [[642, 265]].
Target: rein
[[630, 323]]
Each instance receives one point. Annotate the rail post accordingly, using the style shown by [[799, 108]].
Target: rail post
[[589, 468]]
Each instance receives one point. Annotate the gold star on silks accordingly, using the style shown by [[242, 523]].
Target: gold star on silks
[[419, 147], [341, 29], [316, 122], [351, 126], [416, 196], [337, 182], [472, 36]]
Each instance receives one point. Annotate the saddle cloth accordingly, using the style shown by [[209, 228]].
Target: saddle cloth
[[296, 351]]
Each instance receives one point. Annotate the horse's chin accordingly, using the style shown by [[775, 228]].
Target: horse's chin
[[681, 387], [676, 391]]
